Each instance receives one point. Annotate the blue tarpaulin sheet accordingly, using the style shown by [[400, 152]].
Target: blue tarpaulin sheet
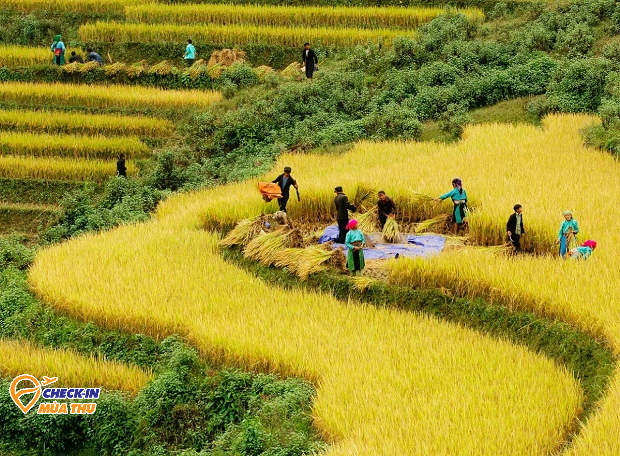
[[416, 246]]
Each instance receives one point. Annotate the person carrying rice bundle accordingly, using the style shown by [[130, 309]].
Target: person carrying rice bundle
[[355, 243], [459, 199], [385, 206], [567, 237], [582, 252]]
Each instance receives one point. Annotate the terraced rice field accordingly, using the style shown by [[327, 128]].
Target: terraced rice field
[[388, 382]]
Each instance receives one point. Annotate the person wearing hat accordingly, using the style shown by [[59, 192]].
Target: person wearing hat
[[567, 237], [58, 49], [582, 252], [342, 213], [355, 244], [285, 181]]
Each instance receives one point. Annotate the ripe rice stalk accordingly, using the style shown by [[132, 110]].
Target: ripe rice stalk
[[367, 222], [105, 96], [391, 232], [225, 35], [71, 122], [418, 197], [71, 68], [71, 146], [16, 56], [436, 223], [69, 6], [301, 16], [72, 369], [338, 260], [363, 193], [16, 167]]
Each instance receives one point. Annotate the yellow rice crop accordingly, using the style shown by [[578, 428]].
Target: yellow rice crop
[[13, 55], [71, 122], [104, 96], [233, 35], [72, 369], [72, 6], [300, 16], [59, 169], [71, 146], [388, 382], [501, 165]]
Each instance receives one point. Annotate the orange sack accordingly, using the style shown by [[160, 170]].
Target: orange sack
[[269, 190]]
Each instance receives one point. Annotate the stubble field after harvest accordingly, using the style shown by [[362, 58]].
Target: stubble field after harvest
[[388, 382]]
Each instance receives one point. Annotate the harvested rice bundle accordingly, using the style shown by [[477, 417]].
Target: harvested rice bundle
[[266, 247], [137, 69], [338, 260], [433, 224], [312, 260], [391, 233], [243, 232], [422, 197], [115, 69], [367, 222], [88, 66], [163, 68], [362, 283], [293, 70]]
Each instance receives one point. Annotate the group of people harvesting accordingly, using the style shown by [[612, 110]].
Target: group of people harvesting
[[353, 238], [58, 48]]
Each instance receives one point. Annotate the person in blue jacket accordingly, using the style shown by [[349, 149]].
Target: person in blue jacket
[[567, 237], [459, 199]]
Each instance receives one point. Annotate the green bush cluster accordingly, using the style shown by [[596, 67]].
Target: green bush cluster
[[121, 201]]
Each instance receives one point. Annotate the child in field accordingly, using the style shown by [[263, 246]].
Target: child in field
[[459, 199], [583, 252], [355, 243], [567, 237]]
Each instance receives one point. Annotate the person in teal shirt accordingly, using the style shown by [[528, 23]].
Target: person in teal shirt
[[190, 53], [58, 49], [459, 199], [355, 243], [567, 237]]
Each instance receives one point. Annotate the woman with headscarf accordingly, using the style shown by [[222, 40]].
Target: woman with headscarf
[[355, 243], [582, 252], [567, 237], [58, 49], [459, 199]]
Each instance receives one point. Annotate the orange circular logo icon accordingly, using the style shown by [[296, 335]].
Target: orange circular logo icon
[[15, 394]]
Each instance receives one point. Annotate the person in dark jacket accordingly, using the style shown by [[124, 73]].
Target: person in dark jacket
[[514, 227], [309, 59], [75, 58], [285, 181], [386, 206], [93, 57], [121, 169], [342, 213]]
